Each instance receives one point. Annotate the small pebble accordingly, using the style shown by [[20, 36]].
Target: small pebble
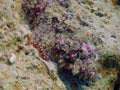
[[12, 58]]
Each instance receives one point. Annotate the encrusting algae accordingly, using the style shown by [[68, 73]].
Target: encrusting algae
[[59, 45], [78, 57]]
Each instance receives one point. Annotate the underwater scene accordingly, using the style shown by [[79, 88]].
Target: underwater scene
[[59, 44]]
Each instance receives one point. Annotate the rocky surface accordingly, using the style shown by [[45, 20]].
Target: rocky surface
[[20, 65], [21, 62]]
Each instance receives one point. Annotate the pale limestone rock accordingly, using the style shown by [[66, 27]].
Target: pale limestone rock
[[12, 58]]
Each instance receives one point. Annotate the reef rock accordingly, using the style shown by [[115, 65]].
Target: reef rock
[[59, 44]]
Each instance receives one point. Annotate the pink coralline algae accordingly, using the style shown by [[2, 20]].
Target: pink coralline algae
[[39, 8], [72, 58], [88, 48], [70, 54], [73, 54], [34, 12]]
